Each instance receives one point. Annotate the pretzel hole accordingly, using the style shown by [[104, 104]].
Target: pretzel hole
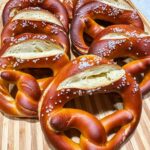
[[112, 134], [39, 73], [139, 77], [88, 40], [103, 23], [107, 103], [13, 89], [98, 106], [74, 135], [122, 61]]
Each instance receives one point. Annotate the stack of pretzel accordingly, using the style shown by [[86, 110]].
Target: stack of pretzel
[[38, 77]]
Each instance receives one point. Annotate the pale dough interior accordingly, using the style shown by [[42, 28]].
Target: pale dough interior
[[122, 35], [33, 49], [95, 77], [37, 15]]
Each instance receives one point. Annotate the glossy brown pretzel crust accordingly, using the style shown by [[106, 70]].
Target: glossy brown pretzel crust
[[25, 103], [73, 5], [17, 27], [53, 6], [53, 62], [55, 119], [134, 44], [84, 21], [137, 67]]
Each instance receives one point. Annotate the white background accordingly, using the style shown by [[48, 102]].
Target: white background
[[143, 6]]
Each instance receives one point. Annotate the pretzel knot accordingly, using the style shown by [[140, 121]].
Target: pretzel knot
[[26, 100], [89, 75], [124, 41], [84, 21]]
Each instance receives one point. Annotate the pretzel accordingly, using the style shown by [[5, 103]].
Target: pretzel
[[84, 22], [25, 103], [54, 6], [51, 37], [120, 41], [87, 75], [35, 51], [138, 67]]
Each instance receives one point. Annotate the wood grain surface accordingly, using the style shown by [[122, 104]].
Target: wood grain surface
[[16, 134]]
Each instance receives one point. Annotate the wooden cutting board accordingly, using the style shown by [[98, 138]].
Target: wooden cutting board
[[16, 134]]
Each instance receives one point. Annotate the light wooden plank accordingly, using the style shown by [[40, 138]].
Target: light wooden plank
[[23, 135]]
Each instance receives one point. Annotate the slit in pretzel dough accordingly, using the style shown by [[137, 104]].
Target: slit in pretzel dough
[[33, 49], [37, 15], [95, 77]]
